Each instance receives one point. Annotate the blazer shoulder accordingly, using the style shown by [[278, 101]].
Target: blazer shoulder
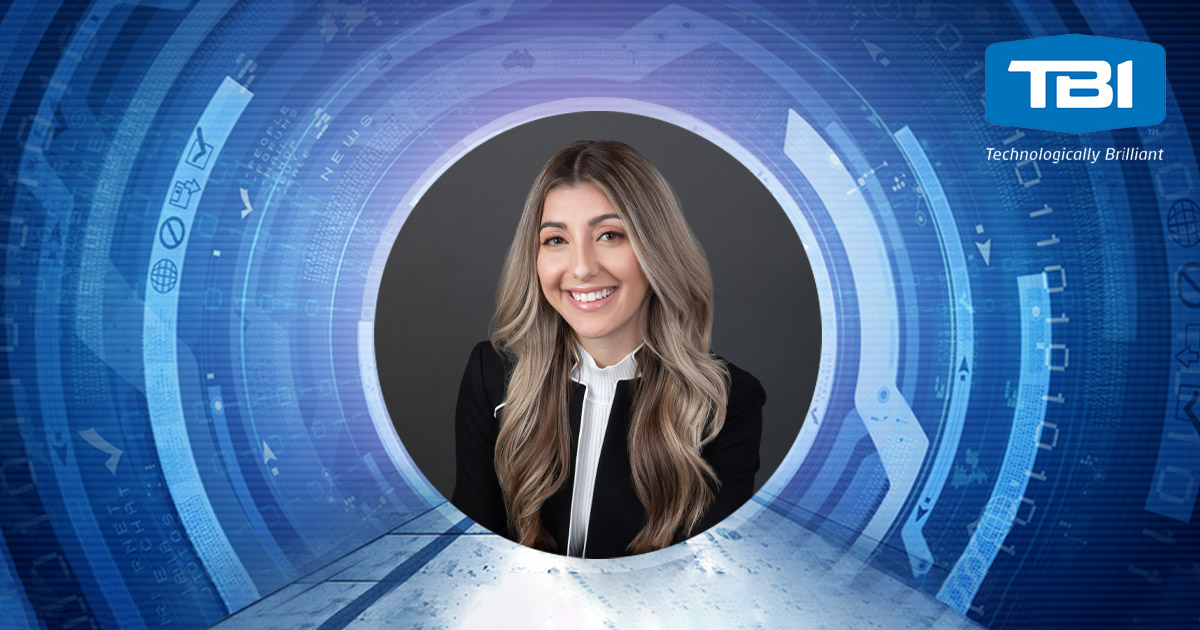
[[491, 367], [745, 391], [486, 353]]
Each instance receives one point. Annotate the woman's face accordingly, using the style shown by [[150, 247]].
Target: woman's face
[[588, 270]]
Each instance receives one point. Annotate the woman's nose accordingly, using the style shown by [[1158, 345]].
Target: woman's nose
[[583, 262]]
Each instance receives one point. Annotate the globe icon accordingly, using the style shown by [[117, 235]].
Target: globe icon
[[1183, 222], [163, 275]]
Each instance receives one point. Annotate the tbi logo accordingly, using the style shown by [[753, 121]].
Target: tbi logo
[[1075, 83]]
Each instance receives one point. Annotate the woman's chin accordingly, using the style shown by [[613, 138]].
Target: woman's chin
[[591, 333]]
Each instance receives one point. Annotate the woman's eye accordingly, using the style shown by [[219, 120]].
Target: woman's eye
[[611, 236], [554, 240]]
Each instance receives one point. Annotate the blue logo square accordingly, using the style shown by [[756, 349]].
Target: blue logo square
[[1075, 83]]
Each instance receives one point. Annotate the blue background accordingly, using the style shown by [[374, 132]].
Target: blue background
[[191, 420]]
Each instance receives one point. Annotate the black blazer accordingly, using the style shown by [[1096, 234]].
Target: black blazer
[[616, 515]]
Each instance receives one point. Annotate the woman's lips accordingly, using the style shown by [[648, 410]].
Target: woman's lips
[[593, 305]]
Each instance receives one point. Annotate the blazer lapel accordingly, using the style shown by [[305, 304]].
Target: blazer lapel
[[556, 511], [617, 515]]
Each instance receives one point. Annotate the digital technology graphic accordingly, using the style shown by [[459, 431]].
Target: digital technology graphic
[[199, 197]]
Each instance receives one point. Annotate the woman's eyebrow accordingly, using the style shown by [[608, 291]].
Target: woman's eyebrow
[[591, 223]]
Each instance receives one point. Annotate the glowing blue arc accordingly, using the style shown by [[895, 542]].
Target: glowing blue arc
[[1001, 510], [159, 342], [961, 370], [889, 420]]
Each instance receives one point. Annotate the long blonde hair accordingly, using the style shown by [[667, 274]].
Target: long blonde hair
[[680, 394]]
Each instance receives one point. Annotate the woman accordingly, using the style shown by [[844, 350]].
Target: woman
[[596, 422]]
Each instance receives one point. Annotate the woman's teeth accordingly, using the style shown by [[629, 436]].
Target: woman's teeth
[[593, 296]]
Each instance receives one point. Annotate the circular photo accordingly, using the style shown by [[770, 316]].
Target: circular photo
[[597, 334]]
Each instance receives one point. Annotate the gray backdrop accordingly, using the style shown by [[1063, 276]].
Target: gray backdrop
[[438, 289]]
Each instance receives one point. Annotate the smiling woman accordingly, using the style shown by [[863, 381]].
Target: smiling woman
[[590, 273], [597, 422], [446, 278]]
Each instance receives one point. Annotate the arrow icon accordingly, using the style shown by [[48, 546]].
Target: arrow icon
[[93, 438], [1186, 403], [1189, 408], [985, 248], [876, 53], [269, 455], [1192, 356], [1189, 356], [246, 201]]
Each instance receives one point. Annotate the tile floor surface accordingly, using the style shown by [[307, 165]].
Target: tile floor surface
[[769, 572]]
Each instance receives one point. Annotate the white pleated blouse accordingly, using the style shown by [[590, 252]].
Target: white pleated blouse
[[601, 387]]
